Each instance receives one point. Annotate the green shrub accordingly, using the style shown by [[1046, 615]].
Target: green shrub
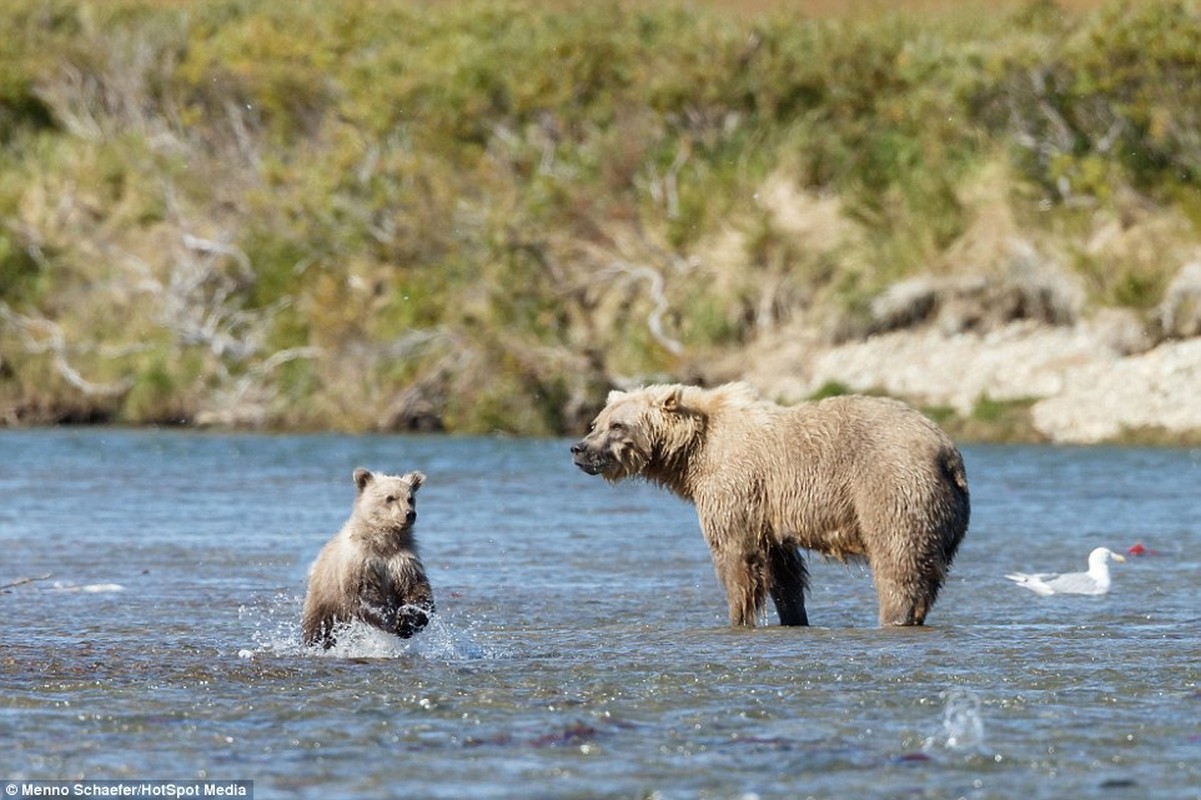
[[831, 389], [497, 175], [154, 398]]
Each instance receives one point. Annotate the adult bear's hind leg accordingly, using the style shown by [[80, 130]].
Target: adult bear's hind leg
[[902, 602], [789, 580]]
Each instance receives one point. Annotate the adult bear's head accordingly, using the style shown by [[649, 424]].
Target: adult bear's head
[[638, 433]]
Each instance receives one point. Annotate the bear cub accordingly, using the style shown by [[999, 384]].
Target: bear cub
[[370, 569]]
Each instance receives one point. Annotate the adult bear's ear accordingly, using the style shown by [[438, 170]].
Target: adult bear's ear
[[671, 401], [415, 479], [362, 477]]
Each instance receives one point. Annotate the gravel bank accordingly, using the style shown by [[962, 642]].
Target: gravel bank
[[1090, 382]]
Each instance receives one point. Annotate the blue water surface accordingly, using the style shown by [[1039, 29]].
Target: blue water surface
[[154, 581]]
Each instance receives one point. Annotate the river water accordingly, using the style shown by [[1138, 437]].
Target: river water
[[580, 649]]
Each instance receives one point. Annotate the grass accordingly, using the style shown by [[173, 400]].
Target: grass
[[508, 206]]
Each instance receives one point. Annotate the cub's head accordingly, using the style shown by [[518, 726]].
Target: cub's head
[[386, 501], [629, 432]]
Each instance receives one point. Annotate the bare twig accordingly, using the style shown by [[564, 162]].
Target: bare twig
[[41, 335], [666, 189], [654, 320], [209, 246], [23, 581], [670, 180]]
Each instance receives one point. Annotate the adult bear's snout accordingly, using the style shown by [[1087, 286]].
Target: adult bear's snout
[[587, 460]]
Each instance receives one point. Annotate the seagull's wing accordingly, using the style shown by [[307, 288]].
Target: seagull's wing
[[1076, 583], [1035, 583]]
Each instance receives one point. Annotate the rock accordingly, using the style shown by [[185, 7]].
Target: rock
[[973, 303], [1152, 390], [1179, 313], [1091, 382]]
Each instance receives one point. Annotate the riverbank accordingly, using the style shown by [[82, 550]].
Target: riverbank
[[479, 216], [1022, 382]]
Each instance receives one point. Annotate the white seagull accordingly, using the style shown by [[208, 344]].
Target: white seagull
[[1095, 581]]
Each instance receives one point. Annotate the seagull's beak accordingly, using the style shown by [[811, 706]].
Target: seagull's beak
[[1118, 558]]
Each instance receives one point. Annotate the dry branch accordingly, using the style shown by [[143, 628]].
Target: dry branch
[[40, 335], [654, 320], [23, 581]]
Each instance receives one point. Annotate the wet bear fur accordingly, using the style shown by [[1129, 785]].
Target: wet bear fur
[[847, 477], [370, 569]]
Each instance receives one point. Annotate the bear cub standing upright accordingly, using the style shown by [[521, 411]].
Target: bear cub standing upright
[[370, 569]]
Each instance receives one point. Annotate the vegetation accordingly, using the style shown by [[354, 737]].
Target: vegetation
[[991, 420], [479, 215]]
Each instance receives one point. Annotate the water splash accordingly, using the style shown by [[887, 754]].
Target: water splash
[[88, 588], [275, 627], [963, 727], [277, 632], [439, 640]]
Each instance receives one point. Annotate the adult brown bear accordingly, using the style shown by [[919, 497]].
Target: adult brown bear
[[846, 477]]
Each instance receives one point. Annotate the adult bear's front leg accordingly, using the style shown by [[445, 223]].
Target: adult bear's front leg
[[743, 575]]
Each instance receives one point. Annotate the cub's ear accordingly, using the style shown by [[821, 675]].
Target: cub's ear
[[415, 479], [614, 396], [671, 400], [362, 477]]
